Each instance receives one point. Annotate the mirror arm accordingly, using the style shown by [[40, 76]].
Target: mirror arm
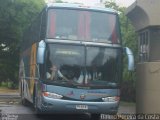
[[130, 59]]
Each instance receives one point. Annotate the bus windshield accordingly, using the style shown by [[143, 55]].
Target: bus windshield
[[72, 24], [83, 66]]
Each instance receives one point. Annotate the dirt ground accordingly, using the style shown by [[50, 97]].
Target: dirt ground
[[6, 90]]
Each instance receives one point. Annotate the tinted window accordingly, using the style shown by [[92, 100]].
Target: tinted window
[[83, 25]]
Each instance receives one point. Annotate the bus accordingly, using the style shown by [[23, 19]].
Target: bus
[[71, 60]]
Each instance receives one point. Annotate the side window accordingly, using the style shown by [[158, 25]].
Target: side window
[[144, 46], [43, 26], [42, 67], [35, 30]]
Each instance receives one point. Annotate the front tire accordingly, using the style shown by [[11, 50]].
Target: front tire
[[23, 99], [35, 103]]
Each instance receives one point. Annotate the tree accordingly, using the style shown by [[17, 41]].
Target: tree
[[15, 17], [129, 39]]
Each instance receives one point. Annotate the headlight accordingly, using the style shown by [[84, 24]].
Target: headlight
[[52, 95], [111, 99]]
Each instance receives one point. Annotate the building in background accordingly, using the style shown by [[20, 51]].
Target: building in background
[[145, 16]]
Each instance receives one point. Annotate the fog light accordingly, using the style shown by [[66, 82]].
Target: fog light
[[111, 99], [52, 95]]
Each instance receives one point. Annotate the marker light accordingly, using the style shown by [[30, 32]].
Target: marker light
[[111, 99], [52, 95]]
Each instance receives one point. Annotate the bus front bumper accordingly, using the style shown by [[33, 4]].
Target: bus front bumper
[[50, 105]]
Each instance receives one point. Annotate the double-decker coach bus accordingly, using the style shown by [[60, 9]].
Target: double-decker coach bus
[[71, 60]]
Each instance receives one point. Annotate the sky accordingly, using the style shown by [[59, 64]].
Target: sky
[[125, 3]]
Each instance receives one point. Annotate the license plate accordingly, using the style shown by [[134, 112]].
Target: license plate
[[82, 107]]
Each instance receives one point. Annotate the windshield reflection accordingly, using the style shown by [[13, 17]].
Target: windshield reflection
[[83, 66]]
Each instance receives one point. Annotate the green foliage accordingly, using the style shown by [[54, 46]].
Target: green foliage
[[9, 84], [15, 16], [129, 39], [128, 91]]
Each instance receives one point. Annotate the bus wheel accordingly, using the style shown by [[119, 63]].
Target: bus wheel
[[95, 117], [37, 110], [23, 100]]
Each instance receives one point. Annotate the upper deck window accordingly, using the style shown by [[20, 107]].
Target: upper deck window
[[83, 25]]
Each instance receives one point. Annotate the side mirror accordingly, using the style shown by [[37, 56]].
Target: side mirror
[[130, 59], [41, 52]]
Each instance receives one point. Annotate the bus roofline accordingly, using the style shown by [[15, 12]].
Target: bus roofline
[[79, 6]]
